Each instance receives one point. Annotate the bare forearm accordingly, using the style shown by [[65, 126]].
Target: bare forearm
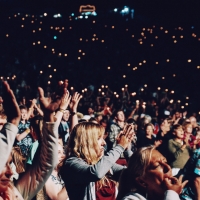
[[21, 136], [40, 111], [62, 195]]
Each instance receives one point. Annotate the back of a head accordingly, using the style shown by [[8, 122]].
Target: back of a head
[[136, 168], [83, 141]]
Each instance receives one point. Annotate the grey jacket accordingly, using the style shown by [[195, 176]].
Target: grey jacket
[[7, 138], [35, 177], [80, 178]]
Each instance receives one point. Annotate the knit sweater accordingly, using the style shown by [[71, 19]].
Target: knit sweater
[[178, 156]]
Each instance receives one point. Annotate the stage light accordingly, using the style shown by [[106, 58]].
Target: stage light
[[55, 37], [115, 10]]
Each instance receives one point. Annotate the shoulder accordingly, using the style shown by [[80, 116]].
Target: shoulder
[[74, 161], [133, 196]]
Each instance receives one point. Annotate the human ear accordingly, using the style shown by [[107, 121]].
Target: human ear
[[141, 182]]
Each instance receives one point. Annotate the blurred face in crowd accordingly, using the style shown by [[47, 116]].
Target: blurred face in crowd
[[156, 172], [23, 114], [177, 115], [6, 175], [165, 125], [193, 121], [179, 133], [66, 115], [120, 116], [188, 129], [149, 131], [99, 118], [90, 111]]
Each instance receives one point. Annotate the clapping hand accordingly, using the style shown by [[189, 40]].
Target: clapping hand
[[126, 136]]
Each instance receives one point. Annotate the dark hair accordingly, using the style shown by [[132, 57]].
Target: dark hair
[[22, 107], [116, 112], [176, 127], [131, 121]]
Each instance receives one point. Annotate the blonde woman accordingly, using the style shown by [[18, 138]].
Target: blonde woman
[[85, 168], [148, 176]]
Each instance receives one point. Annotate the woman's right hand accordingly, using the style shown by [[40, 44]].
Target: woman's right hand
[[11, 106], [172, 183], [125, 137]]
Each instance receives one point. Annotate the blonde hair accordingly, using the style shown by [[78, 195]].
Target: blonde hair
[[137, 166], [186, 125], [83, 141]]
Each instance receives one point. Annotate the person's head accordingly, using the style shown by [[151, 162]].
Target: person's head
[[177, 114], [147, 119], [166, 124], [178, 131], [119, 116], [146, 171], [98, 117], [23, 110], [66, 115], [5, 175], [149, 128], [90, 111], [187, 128], [86, 142], [193, 121]]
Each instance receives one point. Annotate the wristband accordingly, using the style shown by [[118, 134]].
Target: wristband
[[61, 110], [27, 131], [73, 113]]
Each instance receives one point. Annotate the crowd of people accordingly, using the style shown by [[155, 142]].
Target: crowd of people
[[98, 107], [65, 145]]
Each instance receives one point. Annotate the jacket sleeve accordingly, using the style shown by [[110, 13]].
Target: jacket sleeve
[[7, 138], [79, 171], [175, 151], [112, 134], [170, 194], [36, 176]]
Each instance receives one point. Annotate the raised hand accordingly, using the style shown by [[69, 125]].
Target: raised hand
[[11, 106], [74, 102], [126, 136], [48, 106], [65, 101]]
